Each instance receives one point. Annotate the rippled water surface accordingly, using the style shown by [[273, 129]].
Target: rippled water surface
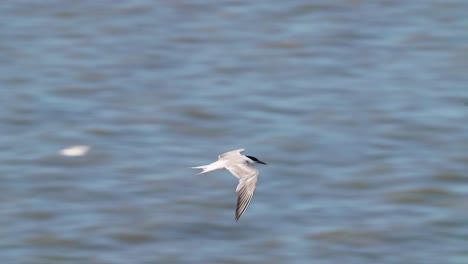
[[360, 109]]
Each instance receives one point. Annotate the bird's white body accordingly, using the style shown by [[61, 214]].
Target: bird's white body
[[240, 166]]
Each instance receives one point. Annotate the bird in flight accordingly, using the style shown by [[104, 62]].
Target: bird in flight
[[240, 166]]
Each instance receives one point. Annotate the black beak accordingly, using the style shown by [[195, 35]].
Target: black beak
[[262, 162]]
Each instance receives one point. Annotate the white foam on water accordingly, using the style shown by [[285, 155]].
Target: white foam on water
[[75, 151]]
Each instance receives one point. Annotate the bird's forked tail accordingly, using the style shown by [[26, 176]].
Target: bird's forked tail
[[210, 167], [204, 168]]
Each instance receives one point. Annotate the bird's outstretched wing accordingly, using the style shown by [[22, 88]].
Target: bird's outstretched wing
[[230, 153], [248, 177], [246, 190]]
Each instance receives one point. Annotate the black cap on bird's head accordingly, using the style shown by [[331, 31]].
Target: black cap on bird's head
[[255, 159]]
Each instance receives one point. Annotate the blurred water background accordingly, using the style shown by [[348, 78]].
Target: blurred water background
[[360, 109]]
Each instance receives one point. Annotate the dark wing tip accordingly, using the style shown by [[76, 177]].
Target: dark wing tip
[[244, 197]]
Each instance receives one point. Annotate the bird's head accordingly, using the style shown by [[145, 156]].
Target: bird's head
[[255, 160]]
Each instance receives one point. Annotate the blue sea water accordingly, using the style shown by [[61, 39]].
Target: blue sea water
[[360, 109]]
